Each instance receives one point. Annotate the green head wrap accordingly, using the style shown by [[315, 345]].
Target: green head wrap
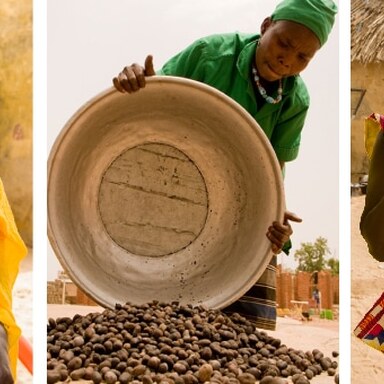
[[317, 15]]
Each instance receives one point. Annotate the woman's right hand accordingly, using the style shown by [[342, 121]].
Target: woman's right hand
[[132, 78]]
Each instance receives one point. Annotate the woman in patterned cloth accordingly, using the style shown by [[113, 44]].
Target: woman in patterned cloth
[[261, 73], [12, 250], [371, 328], [372, 218]]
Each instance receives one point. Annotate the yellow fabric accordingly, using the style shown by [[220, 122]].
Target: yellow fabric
[[371, 129], [12, 250]]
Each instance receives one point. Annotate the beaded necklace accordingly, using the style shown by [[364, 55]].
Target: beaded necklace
[[263, 92]]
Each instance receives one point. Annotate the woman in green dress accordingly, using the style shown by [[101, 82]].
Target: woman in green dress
[[262, 73]]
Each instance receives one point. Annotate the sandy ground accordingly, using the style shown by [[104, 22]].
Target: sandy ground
[[317, 334], [22, 309], [367, 284]]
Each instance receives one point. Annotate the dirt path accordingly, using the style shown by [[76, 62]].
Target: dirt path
[[367, 283]]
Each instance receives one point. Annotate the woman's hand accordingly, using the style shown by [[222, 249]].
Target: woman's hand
[[132, 78], [5, 370], [279, 233]]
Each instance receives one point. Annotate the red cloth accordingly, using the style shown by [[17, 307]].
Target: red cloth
[[371, 328]]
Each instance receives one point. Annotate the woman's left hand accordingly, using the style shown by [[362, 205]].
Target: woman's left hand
[[279, 233]]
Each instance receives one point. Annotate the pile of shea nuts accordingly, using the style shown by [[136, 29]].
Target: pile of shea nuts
[[169, 343]]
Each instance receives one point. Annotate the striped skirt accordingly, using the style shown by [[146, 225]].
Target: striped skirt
[[259, 303]]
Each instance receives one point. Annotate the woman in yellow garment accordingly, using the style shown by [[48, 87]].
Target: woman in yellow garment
[[12, 250]]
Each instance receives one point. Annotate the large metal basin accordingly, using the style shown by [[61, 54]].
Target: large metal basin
[[163, 194]]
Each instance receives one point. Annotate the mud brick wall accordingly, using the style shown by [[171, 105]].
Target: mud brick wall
[[289, 287], [335, 289], [284, 289], [368, 77], [54, 292], [299, 286], [16, 110], [73, 295], [83, 299], [325, 286], [303, 286]]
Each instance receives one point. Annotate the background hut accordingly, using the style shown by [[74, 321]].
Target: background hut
[[16, 110], [367, 74]]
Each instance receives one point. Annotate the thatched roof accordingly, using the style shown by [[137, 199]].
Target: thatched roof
[[367, 31]]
